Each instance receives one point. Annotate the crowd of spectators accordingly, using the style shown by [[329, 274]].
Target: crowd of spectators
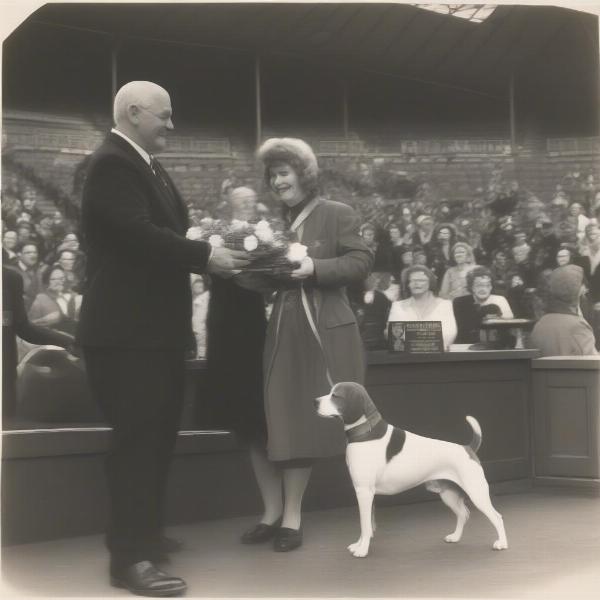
[[44, 249], [517, 238]]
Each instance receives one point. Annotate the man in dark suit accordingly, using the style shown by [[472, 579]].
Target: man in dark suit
[[135, 325]]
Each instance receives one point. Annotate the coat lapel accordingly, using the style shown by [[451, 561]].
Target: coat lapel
[[174, 209]]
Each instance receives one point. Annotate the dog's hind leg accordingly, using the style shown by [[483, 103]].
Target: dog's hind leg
[[479, 492], [454, 498]]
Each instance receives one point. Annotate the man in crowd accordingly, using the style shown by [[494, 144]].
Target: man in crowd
[[30, 269], [135, 326], [9, 245], [562, 331]]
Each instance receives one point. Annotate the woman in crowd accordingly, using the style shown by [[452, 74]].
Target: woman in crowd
[[312, 339], [440, 253], [49, 308], [423, 304], [470, 310], [454, 282]]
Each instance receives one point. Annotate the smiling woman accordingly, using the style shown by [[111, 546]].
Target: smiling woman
[[312, 339]]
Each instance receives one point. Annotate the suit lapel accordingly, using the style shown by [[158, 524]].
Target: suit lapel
[[173, 206]]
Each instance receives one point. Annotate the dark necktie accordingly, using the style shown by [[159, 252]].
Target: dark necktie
[[160, 174]]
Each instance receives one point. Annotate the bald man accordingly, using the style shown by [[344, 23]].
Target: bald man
[[135, 325]]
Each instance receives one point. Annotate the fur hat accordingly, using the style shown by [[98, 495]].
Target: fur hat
[[293, 150]]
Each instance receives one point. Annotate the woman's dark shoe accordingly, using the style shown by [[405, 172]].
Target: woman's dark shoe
[[260, 533], [287, 539]]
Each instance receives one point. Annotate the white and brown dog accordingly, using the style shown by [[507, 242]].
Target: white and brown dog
[[383, 459]]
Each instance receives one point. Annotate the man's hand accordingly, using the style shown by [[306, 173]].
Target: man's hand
[[224, 259], [306, 269]]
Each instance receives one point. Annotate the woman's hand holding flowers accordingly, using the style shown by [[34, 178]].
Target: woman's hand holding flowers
[[305, 270]]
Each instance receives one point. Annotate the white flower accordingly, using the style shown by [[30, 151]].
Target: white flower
[[250, 243], [296, 252], [263, 224], [207, 221], [369, 296], [215, 240], [264, 234], [237, 225], [194, 233]]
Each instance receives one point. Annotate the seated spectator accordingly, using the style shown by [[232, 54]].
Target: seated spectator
[[30, 205], [562, 331], [454, 282], [578, 219], [420, 256], [440, 250], [423, 304], [72, 262], [387, 285], [371, 308], [500, 269], [15, 323], [470, 310], [519, 297], [30, 269], [56, 307], [423, 236], [566, 255], [9, 246], [523, 264]]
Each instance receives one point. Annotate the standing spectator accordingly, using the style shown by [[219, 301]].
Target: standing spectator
[[590, 261], [9, 245], [454, 282], [31, 271], [562, 331]]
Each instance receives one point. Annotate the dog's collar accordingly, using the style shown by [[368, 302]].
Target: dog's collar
[[363, 432]]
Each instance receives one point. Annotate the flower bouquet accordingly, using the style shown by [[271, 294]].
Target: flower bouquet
[[272, 251]]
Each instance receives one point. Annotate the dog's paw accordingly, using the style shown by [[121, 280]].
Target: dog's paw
[[452, 538], [359, 549], [500, 545]]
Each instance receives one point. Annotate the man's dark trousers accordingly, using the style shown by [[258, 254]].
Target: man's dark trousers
[[141, 394]]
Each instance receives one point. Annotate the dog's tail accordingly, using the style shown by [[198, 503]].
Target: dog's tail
[[476, 441]]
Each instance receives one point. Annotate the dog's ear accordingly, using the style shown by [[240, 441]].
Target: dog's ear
[[355, 399]]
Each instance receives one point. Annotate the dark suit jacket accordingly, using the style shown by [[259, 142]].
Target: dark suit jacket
[[593, 279], [136, 292]]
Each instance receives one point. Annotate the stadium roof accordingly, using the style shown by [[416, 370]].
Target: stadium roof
[[400, 40]]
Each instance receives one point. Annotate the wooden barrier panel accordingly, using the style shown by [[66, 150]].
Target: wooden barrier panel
[[566, 396]]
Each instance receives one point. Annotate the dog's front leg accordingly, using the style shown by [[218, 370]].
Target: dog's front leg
[[364, 495]]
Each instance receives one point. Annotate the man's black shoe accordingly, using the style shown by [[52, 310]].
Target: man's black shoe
[[144, 579]]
